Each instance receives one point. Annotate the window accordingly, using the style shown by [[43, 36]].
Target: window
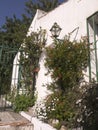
[[92, 31]]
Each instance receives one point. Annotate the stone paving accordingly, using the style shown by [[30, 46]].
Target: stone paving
[[10, 117], [10, 120], [13, 120]]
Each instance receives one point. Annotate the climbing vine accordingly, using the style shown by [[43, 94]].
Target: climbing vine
[[30, 53], [29, 59], [66, 61]]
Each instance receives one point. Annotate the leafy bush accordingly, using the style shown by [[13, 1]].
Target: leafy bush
[[61, 107], [29, 59], [22, 102], [89, 107], [65, 61]]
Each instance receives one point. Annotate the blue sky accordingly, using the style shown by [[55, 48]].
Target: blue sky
[[10, 7]]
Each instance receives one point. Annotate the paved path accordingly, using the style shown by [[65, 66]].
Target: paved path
[[10, 120], [10, 117]]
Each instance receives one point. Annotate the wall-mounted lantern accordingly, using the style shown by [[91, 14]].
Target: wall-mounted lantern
[[55, 30]]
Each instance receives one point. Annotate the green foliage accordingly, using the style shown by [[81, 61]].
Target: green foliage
[[11, 37], [62, 107], [13, 32], [7, 55], [66, 62], [32, 49], [5, 79], [44, 5], [89, 107], [23, 102], [31, 7]]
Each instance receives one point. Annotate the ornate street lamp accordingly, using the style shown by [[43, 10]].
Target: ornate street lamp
[[55, 30]]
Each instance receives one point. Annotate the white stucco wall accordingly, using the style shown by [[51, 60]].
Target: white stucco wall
[[69, 16]]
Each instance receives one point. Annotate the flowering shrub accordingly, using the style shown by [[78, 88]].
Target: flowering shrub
[[65, 61]]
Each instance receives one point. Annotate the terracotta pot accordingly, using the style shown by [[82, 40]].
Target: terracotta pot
[[36, 69]]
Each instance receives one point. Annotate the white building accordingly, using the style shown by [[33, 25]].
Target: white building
[[77, 17]]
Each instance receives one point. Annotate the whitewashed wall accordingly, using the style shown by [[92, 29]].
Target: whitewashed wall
[[69, 16]]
